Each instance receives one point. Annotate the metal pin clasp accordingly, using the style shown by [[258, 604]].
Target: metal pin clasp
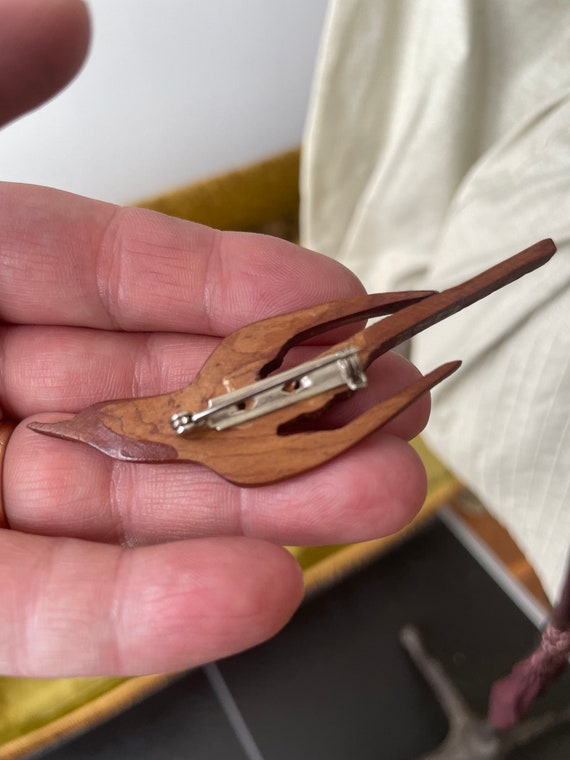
[[341, 369]]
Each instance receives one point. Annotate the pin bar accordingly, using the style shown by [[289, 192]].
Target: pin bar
[[341, 369]]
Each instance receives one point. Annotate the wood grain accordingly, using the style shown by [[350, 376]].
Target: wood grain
[[268, 449]]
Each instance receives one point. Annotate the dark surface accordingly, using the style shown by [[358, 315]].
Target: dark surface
[[335, 684], [182, 721], [341, 686]]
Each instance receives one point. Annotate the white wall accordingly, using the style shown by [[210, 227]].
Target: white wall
[[172, 91]]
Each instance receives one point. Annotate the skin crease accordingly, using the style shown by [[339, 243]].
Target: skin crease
[[99, 302]]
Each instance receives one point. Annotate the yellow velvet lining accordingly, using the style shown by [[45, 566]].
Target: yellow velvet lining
[[260, 197]]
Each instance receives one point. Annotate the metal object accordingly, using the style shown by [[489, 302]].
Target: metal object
[[251, 426], [338, 370], [471, 737]]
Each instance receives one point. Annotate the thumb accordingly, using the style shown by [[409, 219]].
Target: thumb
[[42, 45]]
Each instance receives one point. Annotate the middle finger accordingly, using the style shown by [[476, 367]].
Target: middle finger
[[59, 488], [73, 490]]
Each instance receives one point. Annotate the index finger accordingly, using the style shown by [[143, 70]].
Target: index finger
[[68, 260]]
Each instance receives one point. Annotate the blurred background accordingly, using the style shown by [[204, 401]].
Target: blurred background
[[171, 93]]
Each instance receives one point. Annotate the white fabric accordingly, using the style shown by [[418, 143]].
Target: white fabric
[[438, 143]]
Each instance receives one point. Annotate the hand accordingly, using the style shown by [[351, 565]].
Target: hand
[[114, 568]]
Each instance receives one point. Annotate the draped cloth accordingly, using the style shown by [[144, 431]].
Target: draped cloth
[[437, 144]]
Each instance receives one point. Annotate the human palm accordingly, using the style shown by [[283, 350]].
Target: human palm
[[117, 568]]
